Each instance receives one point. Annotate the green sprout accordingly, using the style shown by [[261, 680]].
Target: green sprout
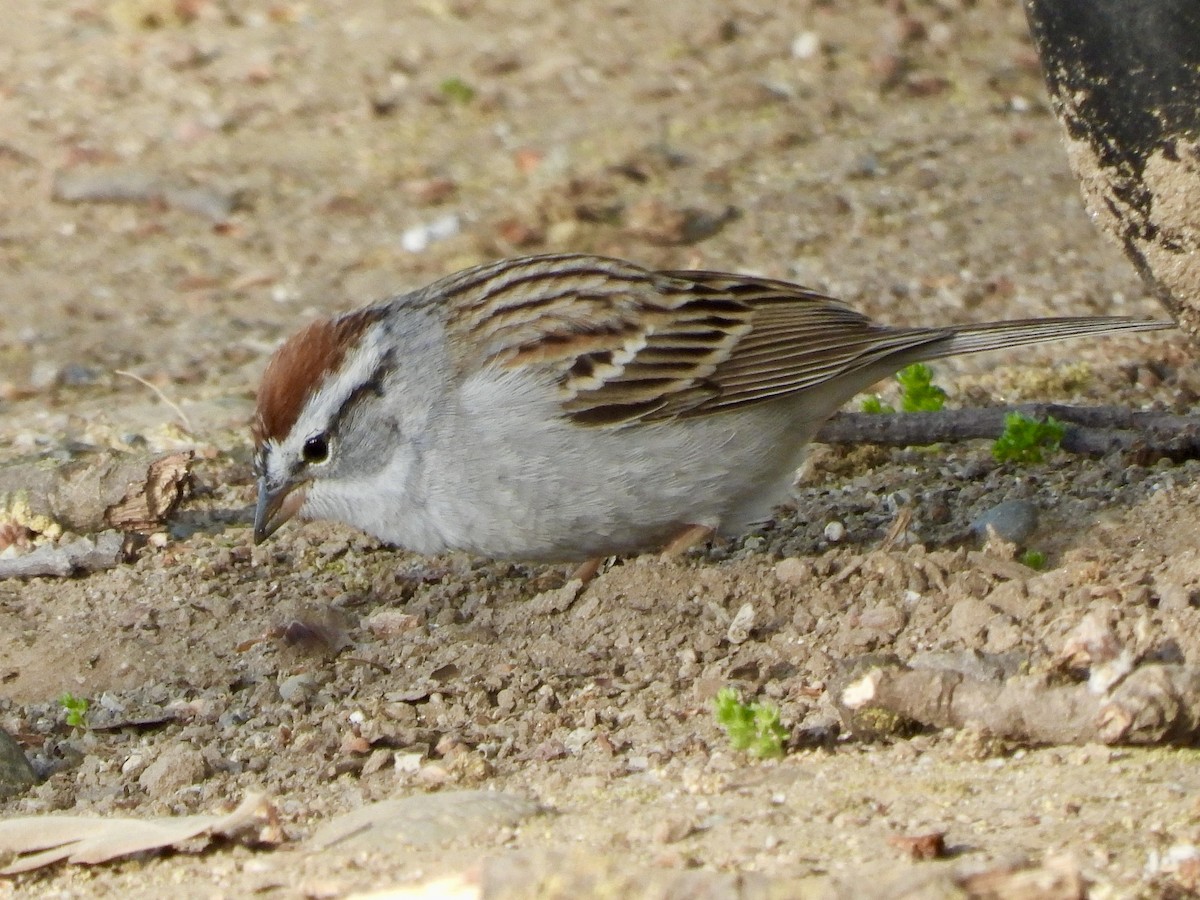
[[1034, 559], [76, 709], [1027, 440], [918, 393], [875, 404], [457, 91], [754, 727]]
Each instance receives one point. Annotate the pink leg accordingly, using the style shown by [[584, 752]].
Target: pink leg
[[587, 570], [686, 539]]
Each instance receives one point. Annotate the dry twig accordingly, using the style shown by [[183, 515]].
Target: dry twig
[[97, 491], [1091, 430], [1155, 703], [183, 419]]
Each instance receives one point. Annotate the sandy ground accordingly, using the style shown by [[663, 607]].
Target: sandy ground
[[288, 159]]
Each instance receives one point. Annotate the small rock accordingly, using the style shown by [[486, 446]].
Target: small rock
[[637, 763], [408, 763], [549, 750], [739, 629], [883, 621], [385, 622], [16, 774], [431, 191], [806, 45], [132, 186], [377, 761], [672, 830], [176, 767], [834, 532], [43, 375], [920, 846], [556, 600], [418, 238], [866, 165], [297, 688], [354, 744], [201, 200], [424, 819], [793, 570], [576, 740], [77, 375], [968, 620], [1012, 520]]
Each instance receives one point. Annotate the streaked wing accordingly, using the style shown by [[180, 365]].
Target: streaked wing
[[800, 339], [627, 344]]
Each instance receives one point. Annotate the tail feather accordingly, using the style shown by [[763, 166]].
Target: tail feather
[[1018, 332], [925, 344], [847, 361]]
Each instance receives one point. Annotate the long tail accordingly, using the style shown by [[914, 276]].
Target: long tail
[[1018, 332], [907, 346]]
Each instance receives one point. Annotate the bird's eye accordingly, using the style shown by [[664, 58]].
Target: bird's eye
[[316, 449]]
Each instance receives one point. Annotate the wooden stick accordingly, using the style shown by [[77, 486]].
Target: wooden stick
[[1091, 430]]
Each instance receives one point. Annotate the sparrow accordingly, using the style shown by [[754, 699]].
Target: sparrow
[[571, 407]]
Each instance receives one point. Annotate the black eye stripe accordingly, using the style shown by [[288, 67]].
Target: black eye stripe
[[373, 386]]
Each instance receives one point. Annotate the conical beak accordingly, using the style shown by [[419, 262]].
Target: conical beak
[[275, 506]]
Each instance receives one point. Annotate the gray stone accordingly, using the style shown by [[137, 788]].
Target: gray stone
[[16, 775], [176, 767], [1012, 520], [424, 819]]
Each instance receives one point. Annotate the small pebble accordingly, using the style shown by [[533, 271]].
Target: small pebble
[[1012, 520], [16, 774], [44, 375], [740, 627], [378, 760], [792, 570], [834, 532], [391, 621], [76, 375], [408, 763], [866, 165], [579, 738], [297, 688], [418, 238], [671, 830], [423, 820], [806, 45], [177, 767]]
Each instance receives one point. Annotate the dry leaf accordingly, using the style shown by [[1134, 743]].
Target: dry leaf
[[39, 841]]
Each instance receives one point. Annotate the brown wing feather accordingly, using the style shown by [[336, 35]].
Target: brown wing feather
[[799, 339], [718, 342], [626, 344]]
